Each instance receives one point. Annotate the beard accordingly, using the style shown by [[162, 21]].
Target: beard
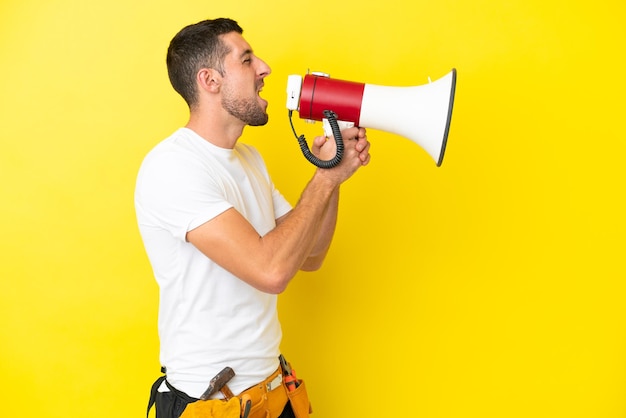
[[248, 110]]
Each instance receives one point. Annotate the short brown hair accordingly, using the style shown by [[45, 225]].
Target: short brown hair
[[195, 47]]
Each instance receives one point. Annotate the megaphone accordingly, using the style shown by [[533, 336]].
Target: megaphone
[[420, 113]]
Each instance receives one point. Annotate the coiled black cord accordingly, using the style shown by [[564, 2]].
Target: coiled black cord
[[334, 126]]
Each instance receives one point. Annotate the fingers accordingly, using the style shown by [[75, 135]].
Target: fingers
[[364, 154], [362, 146], [356, 147], [353, 133]]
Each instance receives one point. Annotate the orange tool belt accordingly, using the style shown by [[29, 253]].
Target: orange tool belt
[[267, 398]]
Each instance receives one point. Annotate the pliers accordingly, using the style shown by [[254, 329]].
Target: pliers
[[246, 405]]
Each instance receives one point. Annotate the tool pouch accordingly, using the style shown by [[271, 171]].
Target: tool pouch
[[213, 408], [299, 400]]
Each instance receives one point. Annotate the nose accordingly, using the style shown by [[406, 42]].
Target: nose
[[264, 70]]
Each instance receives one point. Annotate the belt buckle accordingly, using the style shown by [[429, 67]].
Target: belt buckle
[[274, 383]]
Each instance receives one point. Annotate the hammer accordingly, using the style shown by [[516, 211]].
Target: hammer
[[218, 383]]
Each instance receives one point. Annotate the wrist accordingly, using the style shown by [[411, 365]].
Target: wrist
[[327, 178]]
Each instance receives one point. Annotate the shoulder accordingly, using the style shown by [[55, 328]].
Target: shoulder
[[251, 155], [177, 154], [171, 166], [177, 144]]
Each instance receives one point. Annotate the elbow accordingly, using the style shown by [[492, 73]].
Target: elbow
[[274, 279], [275, 282], [275, 288], [313, 263]]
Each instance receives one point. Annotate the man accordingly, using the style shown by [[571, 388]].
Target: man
[[221, 239]]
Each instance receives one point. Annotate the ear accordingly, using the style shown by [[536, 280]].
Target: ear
[[209, 80]]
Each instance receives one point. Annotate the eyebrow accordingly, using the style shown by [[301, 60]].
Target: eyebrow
[[246, 52]]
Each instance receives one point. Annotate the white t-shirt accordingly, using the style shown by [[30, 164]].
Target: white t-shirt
[[208, 318]]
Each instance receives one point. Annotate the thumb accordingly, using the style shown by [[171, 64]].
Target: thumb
[[317, 143]]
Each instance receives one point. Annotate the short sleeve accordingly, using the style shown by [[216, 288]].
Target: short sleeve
[[174, 192]]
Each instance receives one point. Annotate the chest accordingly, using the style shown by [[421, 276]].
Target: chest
[[247, 188]]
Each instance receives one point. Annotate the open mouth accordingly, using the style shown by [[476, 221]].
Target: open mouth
[[259, 90]]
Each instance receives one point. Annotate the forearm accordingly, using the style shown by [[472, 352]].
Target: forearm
[[325, 235], [304, 235]]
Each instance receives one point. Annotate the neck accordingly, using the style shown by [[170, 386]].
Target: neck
[[219, 131]]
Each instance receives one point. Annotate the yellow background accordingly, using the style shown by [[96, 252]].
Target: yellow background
[[492, 286]]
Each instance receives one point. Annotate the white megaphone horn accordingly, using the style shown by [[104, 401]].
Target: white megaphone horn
[[419, 113]]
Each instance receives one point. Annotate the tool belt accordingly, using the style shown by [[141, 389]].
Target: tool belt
[[267, 399]]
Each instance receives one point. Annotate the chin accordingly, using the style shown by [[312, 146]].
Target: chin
[[258, 120]]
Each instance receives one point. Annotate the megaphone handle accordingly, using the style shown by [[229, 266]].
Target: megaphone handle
[[332, 120], [328, 130]]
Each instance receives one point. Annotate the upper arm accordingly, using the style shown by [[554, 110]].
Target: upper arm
[[232, 242]]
